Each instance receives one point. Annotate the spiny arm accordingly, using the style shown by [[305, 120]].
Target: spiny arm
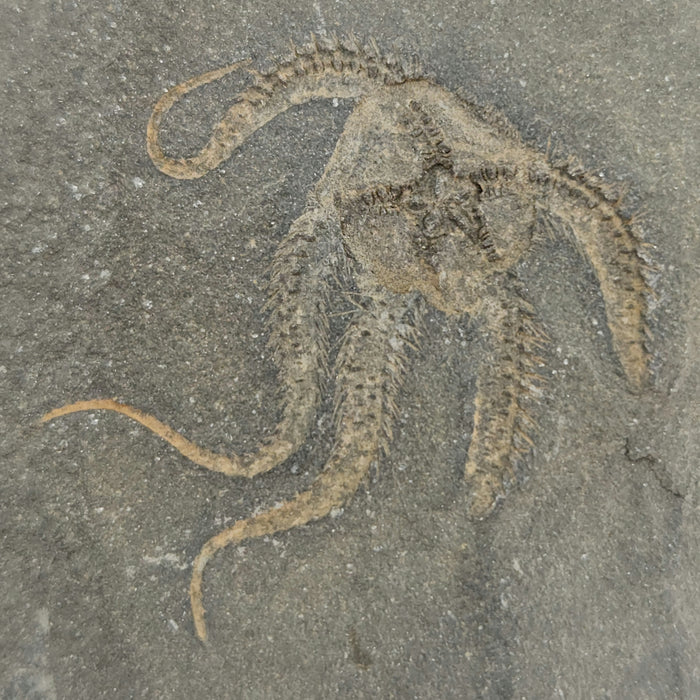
[[305, 265], [607, 239], [507, 381], [370, 368], [299, 343], [321, 69]]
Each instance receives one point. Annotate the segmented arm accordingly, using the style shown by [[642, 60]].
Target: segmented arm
[[321, 69], [370, 368], [608, 241], [216, 150], [507, 380], [298, 340], [305, 265]]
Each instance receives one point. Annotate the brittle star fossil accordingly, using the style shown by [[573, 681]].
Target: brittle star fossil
[[426, 198]]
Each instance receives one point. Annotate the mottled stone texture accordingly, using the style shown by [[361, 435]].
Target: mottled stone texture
[[121, 282]]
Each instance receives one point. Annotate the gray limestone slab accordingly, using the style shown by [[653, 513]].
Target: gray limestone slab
[[117, 281]]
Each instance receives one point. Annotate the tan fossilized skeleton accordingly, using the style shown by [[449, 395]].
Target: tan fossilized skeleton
[[426, 198]]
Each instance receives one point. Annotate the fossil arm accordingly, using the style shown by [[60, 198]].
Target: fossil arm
[[607, 240], [508, 378], [320, 70], [305, 264], [369, 370], [298, 339]]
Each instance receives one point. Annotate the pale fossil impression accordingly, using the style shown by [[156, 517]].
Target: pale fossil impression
[[427, 198]]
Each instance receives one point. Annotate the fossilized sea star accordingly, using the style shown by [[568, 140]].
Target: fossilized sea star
[[425, 198]]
